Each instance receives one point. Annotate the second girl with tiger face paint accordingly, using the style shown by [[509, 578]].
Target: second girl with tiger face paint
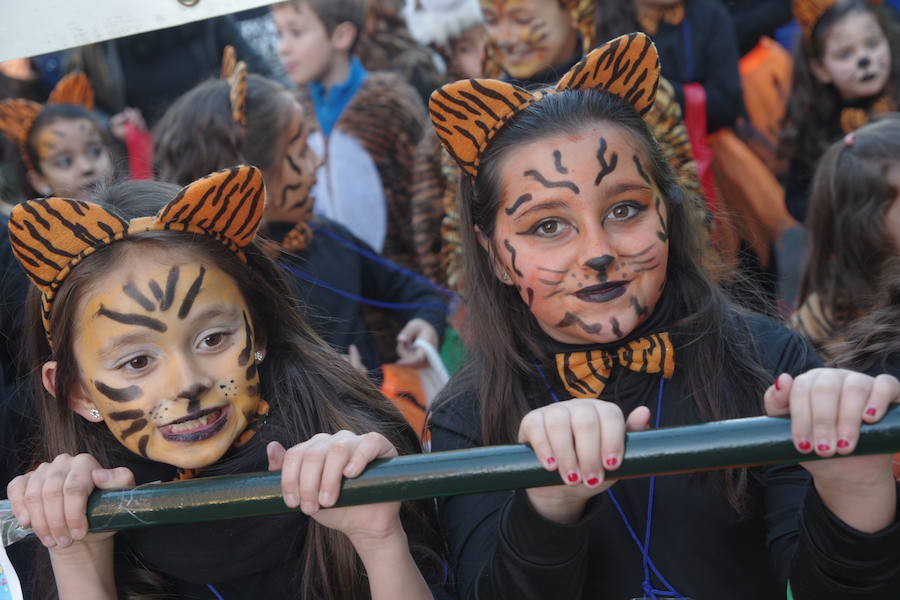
[[594, 316], [168, 355]]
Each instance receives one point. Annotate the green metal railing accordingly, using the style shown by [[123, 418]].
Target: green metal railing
[[720, 445]]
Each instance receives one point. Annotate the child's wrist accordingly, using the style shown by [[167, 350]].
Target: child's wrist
[[368, 544]]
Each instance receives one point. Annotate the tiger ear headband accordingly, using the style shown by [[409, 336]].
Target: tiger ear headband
[[468, 114], [808, 12], [17, 115], [235, 72], [50, 236]]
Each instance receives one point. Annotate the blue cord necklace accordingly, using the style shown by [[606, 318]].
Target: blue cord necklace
[[649, 566]]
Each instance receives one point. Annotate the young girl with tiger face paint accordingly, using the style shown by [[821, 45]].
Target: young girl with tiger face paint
[[595, 317], [168, 347]]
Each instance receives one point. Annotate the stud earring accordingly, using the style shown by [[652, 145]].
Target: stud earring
[[505, 276], [95, 414], [258, 356]]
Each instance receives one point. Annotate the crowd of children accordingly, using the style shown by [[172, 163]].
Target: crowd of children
[[546, 187]]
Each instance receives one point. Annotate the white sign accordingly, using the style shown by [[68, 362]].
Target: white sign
[[32, 27]]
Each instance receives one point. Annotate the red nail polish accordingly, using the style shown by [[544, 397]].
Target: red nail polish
[[843, 444], [778, 383], [804, 445], [612, 461], [823, 447], [572, 477], [593, 481], [871, 411], [551, 460]]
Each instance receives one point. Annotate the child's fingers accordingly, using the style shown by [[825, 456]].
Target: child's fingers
[[120, 478], [854, 398], [638, 419], [612, 447], [801, 411], [558, 425], [370, 447], [885, 391], [290, 475], [53, 493], [15, 491], [275, 453], [533, 433], [34, 500], [339, 450], [586, 434], [825, 399], [778, 396], [310, 472]]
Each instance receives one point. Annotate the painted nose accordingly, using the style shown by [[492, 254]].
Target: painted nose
[[193, 395], [599, 263], [864, 62]]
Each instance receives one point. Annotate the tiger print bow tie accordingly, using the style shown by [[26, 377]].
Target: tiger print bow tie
[[585, 374]]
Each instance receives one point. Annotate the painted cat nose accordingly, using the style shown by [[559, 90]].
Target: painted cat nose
[[599, 263], [864, 62]]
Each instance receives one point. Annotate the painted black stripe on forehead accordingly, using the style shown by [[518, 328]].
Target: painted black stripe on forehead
[[171, 282], [126, 394], [133, 319], [191, 295], [135, 294], [551, 184]]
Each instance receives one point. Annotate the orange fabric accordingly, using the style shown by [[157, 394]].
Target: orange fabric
[[74, 88], [585, 374], [749, 194], [467, 114], [50, 236], [237, 94], [402, 386], [808, 12], [766, 78], [16, 118], [229, 61]]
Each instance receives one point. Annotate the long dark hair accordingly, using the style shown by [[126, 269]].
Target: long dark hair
[[197, 135], [310, 388], [814, 107], [614, 18], [501, 355], [848, 240], [871, 342]]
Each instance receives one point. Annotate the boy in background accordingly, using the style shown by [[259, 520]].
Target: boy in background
[[369, 123]]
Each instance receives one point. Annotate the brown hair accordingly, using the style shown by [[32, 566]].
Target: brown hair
[[873, 340], [501, 355], [310, 389], [334, 12], [848, 241], [814, 107], [197, 134]]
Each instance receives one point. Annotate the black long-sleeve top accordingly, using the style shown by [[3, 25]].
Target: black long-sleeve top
[[336, 317], [502, 548], [703, 49], [756, 18]]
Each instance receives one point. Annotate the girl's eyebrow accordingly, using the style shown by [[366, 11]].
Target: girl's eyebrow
[[629, 187], [117, 342], [549, 204]]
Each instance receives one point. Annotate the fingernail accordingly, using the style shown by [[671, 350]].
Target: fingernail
[[64, 541], [872, 411], [77, 534], [592, 481], [804, 445], [778, 383], [823, 447], [48, 541], [612, 461], [843, 443], [551, 461], [326, 499], [308, 507], [291, 500], [351, 468], [572, 476], [102, 475]]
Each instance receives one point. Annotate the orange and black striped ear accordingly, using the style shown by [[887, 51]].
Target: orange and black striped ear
[[16, 118], [808, 12], [50, 236], [229, 60], [627, 67], [74, 88], [226, 205], [237, 93], [468, 113]]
